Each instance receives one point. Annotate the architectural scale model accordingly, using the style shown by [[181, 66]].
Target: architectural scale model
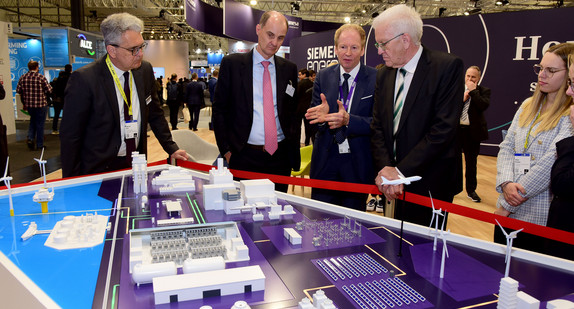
[[75, 232], [6, 179], [43, 195], [509, 238], [139, 169], [174, 180], [443, 235], [179, 244], [435, 216], [33, 230], [507, 295]]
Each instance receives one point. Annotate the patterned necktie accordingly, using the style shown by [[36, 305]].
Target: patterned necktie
[[464, 115], [399, 100], [131, 142], [340, 133], [269, 111]]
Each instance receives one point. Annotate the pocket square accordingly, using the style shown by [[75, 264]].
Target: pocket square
[[366, 97]]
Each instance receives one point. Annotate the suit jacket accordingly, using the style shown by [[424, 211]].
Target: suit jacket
[[233, 105], [194, 94], [90, 132], [211, 85], [360, 116], [479, 102], [426, 137]]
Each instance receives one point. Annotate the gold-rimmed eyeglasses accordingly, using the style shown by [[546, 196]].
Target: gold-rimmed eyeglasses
[[133, 50], [548, 70], [383, 46]]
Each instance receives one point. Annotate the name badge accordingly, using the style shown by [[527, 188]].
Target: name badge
[[521, 163], [290, 90], [344, 147], [148, 100], [131, 129]]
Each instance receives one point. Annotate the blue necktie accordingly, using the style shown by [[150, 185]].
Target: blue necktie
[[341, 133]]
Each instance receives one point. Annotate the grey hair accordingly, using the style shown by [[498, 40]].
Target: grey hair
[[116, 24], [402, 19]]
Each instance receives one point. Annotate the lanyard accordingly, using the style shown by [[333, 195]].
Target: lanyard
[[533, 124], [347, 101], [117, 81]]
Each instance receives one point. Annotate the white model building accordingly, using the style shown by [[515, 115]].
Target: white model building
[[74, 232], [139, 170], [172, 207], [200, 285], [179, 244], [258, 190], [507, 295], [220, 175]]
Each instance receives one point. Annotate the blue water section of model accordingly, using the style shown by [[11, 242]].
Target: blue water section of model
[[68, 276]]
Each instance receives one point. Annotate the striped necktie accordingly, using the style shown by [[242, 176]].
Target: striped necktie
[[399, 100]]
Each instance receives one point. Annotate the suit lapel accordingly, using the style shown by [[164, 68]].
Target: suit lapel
[[110, 89], [280, 81], [421, 73], [247, 67], [359, 90], [388, 93], [140, 85]]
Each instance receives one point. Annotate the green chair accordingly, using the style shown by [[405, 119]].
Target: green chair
[[305, 167]]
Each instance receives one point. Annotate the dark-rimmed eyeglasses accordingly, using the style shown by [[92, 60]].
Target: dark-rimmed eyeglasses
[[383, 46], [548, 70], [133, 50]]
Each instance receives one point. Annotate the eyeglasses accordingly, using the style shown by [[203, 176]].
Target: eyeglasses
[[383, 46], [570, 85], [549, 71], [133, 50]]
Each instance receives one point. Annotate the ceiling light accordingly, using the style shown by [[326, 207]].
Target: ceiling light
[[502, 2], [472, 11], [347, 19], [253, 2]]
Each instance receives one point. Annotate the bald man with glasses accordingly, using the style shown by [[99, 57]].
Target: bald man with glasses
[[109, 104]]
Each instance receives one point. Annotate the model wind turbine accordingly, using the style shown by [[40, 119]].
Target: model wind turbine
[[443, 235], [435, 214], [7, 180], [43, 195], [509, 238]]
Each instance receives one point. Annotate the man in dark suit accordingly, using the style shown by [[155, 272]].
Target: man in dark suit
[[416, 113], [304, 93], [106, 121], [195, 100], [473, 126], [342, 107], [246, 82]]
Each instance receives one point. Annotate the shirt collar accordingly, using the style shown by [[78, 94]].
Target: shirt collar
[[353, 72], [411, 66], [258, 58]]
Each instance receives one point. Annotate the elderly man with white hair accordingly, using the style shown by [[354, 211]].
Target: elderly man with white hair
[[416, 113]]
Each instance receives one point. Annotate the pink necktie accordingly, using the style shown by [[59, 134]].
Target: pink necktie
[[269, 111]]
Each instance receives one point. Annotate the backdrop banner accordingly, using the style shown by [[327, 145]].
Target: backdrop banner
[[504, 45]]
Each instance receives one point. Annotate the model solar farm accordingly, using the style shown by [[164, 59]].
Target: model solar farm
[[170, 237]]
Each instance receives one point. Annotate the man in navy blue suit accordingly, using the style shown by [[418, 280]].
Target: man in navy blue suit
[[342, 109]]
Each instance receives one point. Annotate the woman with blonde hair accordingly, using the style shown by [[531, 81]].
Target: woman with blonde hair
[[528, 151]]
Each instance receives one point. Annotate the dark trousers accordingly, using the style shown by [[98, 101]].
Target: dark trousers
[[173, 112], [340, 168], [58, 106], [36, 128], [419, 214], [194, 110], [259, 161], [470, 148], [310, 131]]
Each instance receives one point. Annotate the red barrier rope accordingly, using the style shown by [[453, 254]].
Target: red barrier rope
[[531, 228]]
